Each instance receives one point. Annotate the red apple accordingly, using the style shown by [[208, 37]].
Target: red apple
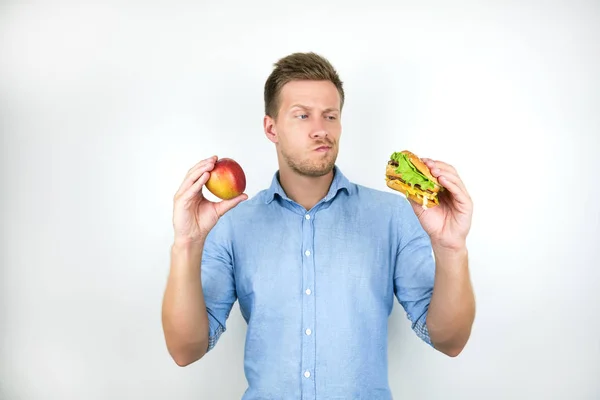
[[227, 179]]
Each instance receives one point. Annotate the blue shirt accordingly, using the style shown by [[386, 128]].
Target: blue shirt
[[316, 288]]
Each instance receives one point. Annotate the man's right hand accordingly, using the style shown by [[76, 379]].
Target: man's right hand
[[194, 215]]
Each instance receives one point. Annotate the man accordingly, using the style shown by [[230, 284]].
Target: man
[[315, 261]]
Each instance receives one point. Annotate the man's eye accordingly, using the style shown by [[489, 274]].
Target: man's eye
[[302, 116], [332, 117]]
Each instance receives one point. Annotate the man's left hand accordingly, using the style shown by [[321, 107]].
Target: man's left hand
[[447, 224]]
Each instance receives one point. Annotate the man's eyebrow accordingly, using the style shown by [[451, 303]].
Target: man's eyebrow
[[310, 108], [300, 106]]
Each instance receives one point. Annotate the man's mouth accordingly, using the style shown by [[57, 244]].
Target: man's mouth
[[323, 148]]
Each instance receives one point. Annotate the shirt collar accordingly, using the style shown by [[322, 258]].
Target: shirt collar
[[339, 182]]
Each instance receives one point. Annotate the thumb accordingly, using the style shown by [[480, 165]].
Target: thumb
[[417, 208], [226, 205]]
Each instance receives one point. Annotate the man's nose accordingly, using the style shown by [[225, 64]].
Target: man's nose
[[318, 129]]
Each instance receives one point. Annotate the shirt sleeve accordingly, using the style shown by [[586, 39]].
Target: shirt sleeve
[[218, 283], [414, 272]]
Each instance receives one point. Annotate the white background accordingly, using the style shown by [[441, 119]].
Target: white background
[[104, 108]]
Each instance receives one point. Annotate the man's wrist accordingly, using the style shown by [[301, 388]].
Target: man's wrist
[[187, 245], [187, 253], [450, 253]]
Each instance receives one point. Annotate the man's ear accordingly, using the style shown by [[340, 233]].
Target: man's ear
[[270, 130]]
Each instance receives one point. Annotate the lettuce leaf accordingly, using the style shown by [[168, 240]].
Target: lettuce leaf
[[409, 172]]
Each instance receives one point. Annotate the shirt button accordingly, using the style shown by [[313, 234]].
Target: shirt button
[[307, 374], [307, 252], [308, 332], [307, 291], [307, 216]]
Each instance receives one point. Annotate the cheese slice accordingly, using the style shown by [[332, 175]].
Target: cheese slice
[[415, 192], [411, 190]]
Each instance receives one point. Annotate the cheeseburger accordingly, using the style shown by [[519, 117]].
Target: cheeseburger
[[407, 174]]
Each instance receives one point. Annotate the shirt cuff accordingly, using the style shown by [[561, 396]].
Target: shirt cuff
[[215, 329], [420, 328]]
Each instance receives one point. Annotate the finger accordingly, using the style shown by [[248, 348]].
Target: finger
[[446, 174], [193, 171], [453, 185], [201, 162], [196, 187], [439, 168], [451, 175], [194, 174], [226, 205], [433, 164]]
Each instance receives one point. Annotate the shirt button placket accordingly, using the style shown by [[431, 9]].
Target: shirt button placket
[[308, 309]]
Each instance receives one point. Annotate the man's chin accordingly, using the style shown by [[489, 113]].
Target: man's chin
[[314, 171]]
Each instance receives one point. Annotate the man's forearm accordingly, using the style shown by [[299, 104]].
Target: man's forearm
[[184, 316], [452, 309]]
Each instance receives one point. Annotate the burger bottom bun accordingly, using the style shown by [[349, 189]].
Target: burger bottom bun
[[415, 195]]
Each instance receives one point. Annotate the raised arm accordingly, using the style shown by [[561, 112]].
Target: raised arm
[[451, 313], [185, 318]]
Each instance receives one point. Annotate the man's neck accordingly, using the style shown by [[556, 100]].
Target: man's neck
[[304, 190]]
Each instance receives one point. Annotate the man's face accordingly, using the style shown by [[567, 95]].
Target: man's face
[[308, 127]]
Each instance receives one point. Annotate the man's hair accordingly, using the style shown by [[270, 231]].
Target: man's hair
[[294, 67]]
